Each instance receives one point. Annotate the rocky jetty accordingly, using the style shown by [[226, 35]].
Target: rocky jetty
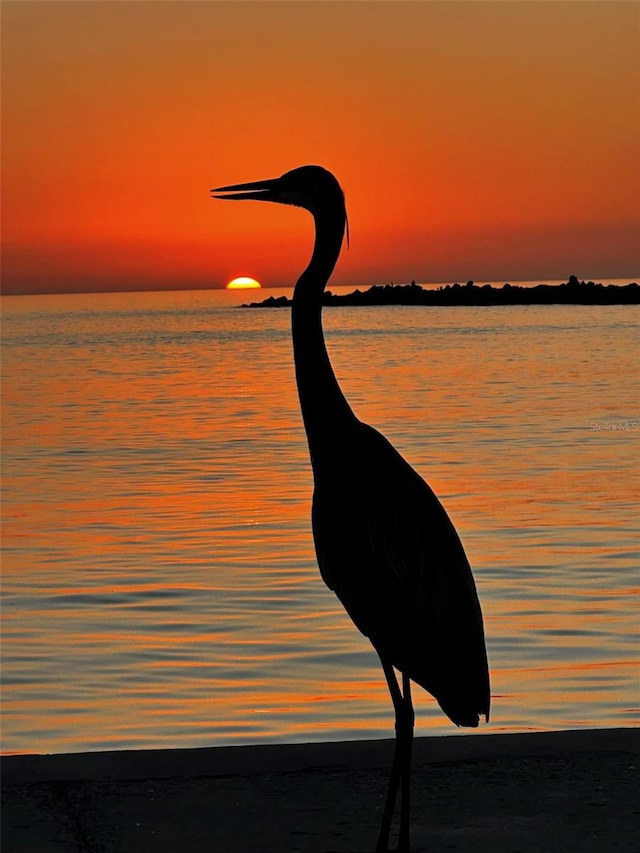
[[572, 292]]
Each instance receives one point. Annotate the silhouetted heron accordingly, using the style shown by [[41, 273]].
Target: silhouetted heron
[[384, 543]]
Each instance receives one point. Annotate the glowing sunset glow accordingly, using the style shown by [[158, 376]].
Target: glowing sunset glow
[[520, 162], [243, 282]]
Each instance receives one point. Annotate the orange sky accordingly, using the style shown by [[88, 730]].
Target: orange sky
[[494, 141]]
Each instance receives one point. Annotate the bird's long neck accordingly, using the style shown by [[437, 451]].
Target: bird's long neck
[[325, 410]]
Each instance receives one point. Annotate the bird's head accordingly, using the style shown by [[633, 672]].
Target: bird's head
[[311, 187]]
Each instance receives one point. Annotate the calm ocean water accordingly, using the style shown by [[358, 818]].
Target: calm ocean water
[[159, 583]]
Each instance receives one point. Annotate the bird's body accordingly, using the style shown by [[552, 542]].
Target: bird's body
[[388, 550], [384, 543]]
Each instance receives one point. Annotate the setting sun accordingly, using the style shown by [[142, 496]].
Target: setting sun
[[243, 282]]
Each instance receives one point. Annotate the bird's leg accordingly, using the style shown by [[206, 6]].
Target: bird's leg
[[394, 778], [408, 719]]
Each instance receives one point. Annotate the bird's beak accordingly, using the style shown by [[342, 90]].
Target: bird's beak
[[256, 190]]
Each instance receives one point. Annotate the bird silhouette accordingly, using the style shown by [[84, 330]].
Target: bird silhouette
[[384, 543]]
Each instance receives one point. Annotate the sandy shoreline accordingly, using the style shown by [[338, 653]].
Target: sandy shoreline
[[549, 791]]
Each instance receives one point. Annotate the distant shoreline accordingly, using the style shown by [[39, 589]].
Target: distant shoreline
[[572, 292]]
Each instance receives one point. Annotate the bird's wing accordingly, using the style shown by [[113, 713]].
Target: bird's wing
[[388, 549], [377, 524]]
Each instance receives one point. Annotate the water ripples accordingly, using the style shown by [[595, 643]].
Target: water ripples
[[160, 587]]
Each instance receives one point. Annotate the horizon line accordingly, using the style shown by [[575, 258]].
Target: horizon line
[[223, 288]]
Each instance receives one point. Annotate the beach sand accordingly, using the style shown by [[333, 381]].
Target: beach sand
[[504, 793]]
